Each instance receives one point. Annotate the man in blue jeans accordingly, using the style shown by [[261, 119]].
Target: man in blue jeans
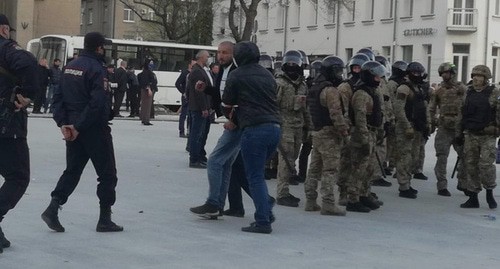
[[253, 89]]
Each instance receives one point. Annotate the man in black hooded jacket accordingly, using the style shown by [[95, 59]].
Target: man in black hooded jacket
[[253, 89]]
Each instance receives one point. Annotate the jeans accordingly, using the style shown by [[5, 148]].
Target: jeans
[[258, 143], [48, 101], [237, 182], [197, 136], [219, 166], [183, 115]]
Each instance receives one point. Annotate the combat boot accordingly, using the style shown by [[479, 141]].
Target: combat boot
[[105, 224], [369, 202], [490, 199], [409, 193], [330, 209], [4, 243], [473, 202], [50, 216], [311, 205], [288, 201], [357, 207]]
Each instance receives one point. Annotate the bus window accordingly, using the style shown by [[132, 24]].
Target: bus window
[[129, 54], [52, 48]]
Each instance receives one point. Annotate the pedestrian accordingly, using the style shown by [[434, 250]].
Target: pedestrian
[[329, 131], [17, 66], [54, 78], [147, 81], [133, 93], [412, 125], [121, 79], [480, 121], [180, 84], [291, 98], [253, 89], [43, 79], [82, 110], [444, 109]]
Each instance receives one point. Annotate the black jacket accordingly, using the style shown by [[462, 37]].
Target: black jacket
[[81, 99], [215, 91], [252, 88], [181, 81], [147, 78], [198, 101], [121, 78], [23, 70]]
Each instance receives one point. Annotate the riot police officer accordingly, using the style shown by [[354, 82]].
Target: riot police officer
[[17, 68], [82, 110]]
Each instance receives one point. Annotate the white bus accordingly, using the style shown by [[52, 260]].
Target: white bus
[[169, 58]]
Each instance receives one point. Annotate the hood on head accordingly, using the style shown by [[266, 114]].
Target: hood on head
[[246, 52]]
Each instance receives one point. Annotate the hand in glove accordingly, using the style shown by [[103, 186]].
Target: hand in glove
[[459, 140], [409, 133]]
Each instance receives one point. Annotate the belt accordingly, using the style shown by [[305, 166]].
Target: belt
[[372, 128]]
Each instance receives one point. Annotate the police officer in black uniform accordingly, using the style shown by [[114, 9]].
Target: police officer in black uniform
[[17, 68], [82, 110]]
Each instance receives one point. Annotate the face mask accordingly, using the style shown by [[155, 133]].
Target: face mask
[[416, 79]]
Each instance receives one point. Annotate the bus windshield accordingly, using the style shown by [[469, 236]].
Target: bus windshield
[[51, 48]]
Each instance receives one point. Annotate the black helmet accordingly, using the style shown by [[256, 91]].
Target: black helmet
[[305, 59], [398, 69], [332, 67], [358, 59], [416, 72], [315, 68], [266, 61], [370, 70], [368, 52], [447, 67], [381, 59], [292, 56]]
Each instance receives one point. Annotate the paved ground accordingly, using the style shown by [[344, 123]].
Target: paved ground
[[156, 189]]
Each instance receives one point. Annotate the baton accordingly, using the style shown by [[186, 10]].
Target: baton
[[455, 168], [380, 164], [287, 163]]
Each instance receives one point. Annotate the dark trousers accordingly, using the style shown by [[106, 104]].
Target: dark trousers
[[40, 97], [134, 97], [118, 96], [152, 113], [95, 144], [198, 133], [305, 151], [183, 115], [237, 182], [15, 169]]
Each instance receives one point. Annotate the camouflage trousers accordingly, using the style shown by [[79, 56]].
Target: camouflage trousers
[[345, 167], [479, 152], [362, 168], [442, 143], [408, 151], [418, 161], [382, 153], [324, 166], [391, 154], [291, 140]]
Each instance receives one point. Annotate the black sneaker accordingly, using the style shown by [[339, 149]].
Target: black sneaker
[[420, 176], [413, 190], [199, 165], [381, 183], [369, 202], [472, 202], [255, 228], [357, 207], [294, 198], [4, 243], [408, 194], [235, 213], [444, 192], [206, 210], [288, 201]]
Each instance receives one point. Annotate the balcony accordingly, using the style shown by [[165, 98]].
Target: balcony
[[462, 19]]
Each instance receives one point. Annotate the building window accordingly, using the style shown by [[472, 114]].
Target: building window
[[390, 4], [407, 9], [461, 60], [497, 8], [280, 16], [407, 53], [370, 6], [331, 10], [353, 11], [348, 53], [314, 17], [128, 15], [386, 51], [151, 15], [265, 15], [428, 57], [494, 65], [222, 22], [91, 16], [296, 14], [432, 3]]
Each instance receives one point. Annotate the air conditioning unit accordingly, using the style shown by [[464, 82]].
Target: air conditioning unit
[[144, 11]]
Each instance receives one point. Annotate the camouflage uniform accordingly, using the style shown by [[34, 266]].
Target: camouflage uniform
[[325, 155], [291, 98], [444, 109], [391, 154], [480, 146], [363, 138], [345, 92], [388, 118], [408, 137]]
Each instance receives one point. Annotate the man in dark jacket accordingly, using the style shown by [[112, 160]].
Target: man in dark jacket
[[180, 84], [55, 77], [133, 92], [82, 110], [253, 89], [16, 65], [43, 79], [121, 80]]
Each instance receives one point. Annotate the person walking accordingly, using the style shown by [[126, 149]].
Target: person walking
[[82, 110], [147, 80], [16, 66]]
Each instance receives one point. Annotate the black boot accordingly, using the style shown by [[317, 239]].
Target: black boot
[[473, 202], [50, 216], [4, 243], [105, 224], [369, 202], [490, 199], [357, 207]]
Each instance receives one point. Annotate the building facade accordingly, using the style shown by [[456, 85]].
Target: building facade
[[34, 18], [464, 32]]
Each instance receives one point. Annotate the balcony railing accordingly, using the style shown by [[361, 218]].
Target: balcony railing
[[462, 19]]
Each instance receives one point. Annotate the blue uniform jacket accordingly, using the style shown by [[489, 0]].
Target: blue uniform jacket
[[81, 99]]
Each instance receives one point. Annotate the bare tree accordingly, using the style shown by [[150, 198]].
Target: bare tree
[[177, 20]]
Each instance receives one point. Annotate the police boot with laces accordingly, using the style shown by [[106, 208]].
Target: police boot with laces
[[490, 199], [473, 202], [50, 217], [105, 224]]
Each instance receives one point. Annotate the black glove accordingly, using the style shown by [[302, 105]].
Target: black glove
[[459, 140], [365, 149]]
